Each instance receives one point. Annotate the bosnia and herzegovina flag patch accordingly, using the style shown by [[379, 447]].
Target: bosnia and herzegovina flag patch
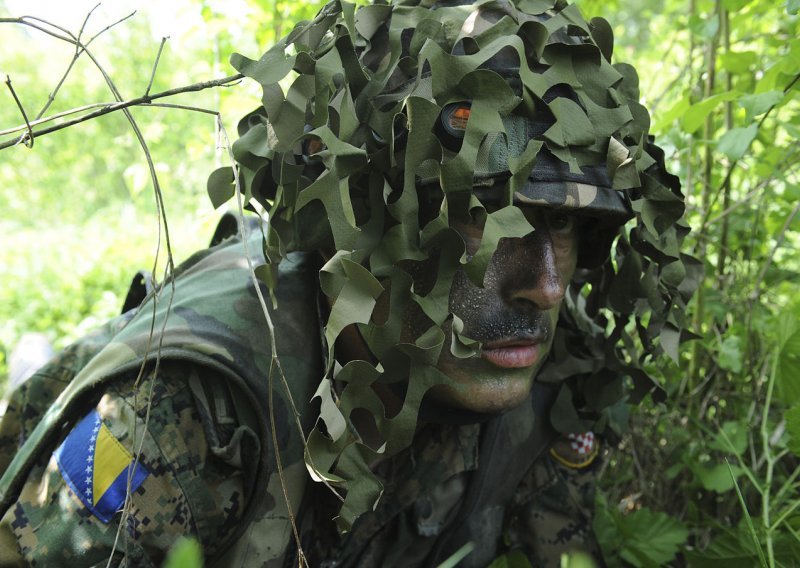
[[97, 467]]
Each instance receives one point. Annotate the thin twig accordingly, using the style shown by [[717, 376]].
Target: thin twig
[[52, 117], [778, 243], [182, 107], [26, 139], [134, 102], [761, 185], [732, 167], [155, 66], [275, 363], [108, 27]]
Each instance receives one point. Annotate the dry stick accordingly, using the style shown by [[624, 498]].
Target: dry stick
[[29, 141], [155, 66], [726, 187], [52, 97], [101, 105], [56, 116], [275, 363], [121, 105], [69, 38], [168, 269], [706, 176]]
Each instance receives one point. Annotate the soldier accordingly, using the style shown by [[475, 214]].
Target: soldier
[[437, 331]]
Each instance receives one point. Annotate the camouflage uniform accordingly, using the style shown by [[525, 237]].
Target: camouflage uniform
[[199, 425]]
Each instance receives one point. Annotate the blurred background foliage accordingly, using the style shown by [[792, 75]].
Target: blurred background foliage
[[708, 479]]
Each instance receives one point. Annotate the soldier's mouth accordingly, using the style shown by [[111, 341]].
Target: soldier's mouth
[[513, 354]]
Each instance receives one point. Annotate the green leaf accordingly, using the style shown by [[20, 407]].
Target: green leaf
[[730, 550], [735, 142], [792, 417], [185, 553], [644, 538], [735, 5], [654, 538], [716, 478], [732, 438], [697, 113], [759, 103], [730, 354], [793, 7], [220, 186], [738, 61]]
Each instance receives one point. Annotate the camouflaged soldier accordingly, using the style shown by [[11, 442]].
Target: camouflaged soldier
[[437, 328]]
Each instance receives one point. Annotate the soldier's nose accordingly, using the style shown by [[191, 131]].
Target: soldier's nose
[[535, 280]]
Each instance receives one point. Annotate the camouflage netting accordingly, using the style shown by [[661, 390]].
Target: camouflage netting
[[349, 154]]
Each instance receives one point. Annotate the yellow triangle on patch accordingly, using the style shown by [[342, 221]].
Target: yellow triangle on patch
[[110, 459]]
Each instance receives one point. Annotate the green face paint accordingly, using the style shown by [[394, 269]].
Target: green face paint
[[388, 134]]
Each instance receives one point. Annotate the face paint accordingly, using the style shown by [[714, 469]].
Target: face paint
[[513, 315]]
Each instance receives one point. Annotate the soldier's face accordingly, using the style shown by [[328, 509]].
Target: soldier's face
[[513, 316]]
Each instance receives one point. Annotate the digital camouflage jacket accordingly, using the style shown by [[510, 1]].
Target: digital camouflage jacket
[[130, 439]]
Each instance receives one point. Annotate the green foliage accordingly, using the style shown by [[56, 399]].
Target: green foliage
[[642, 538], [185, 553], [725, 88]]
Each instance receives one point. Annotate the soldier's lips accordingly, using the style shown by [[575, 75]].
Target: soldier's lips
[[516, 354]]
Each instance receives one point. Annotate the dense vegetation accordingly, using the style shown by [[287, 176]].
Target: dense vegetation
[[708, 479]]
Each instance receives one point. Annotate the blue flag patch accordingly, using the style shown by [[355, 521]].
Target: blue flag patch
[[97, 467]]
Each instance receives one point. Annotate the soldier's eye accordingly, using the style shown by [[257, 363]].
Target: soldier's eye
[[562, 223]]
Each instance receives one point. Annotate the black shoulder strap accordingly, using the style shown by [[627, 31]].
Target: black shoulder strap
[[481, 516]]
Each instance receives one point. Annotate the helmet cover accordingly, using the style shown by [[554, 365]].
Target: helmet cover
[[383, 125]]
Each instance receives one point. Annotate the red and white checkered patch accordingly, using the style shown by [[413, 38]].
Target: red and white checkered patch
[[582, 443]]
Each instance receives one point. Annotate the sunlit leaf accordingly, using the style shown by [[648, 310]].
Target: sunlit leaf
[[760, 103], [735, 142], [738, 61], [698, 112]]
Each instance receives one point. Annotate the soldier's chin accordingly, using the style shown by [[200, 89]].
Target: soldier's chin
[[475, 402]]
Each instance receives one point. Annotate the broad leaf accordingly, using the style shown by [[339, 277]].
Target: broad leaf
[[792, 417], [735, 142]]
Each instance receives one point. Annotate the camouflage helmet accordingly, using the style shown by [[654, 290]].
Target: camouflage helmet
[[382, 126]]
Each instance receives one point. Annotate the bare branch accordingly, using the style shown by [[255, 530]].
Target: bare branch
[[112, 107], [26, 139], [108, 27], [155, 66], [86, 20], [56, 116], [778, 244], [183, 107]]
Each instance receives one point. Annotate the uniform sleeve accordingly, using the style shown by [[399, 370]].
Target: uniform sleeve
[[555, 504], [92, 499]]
